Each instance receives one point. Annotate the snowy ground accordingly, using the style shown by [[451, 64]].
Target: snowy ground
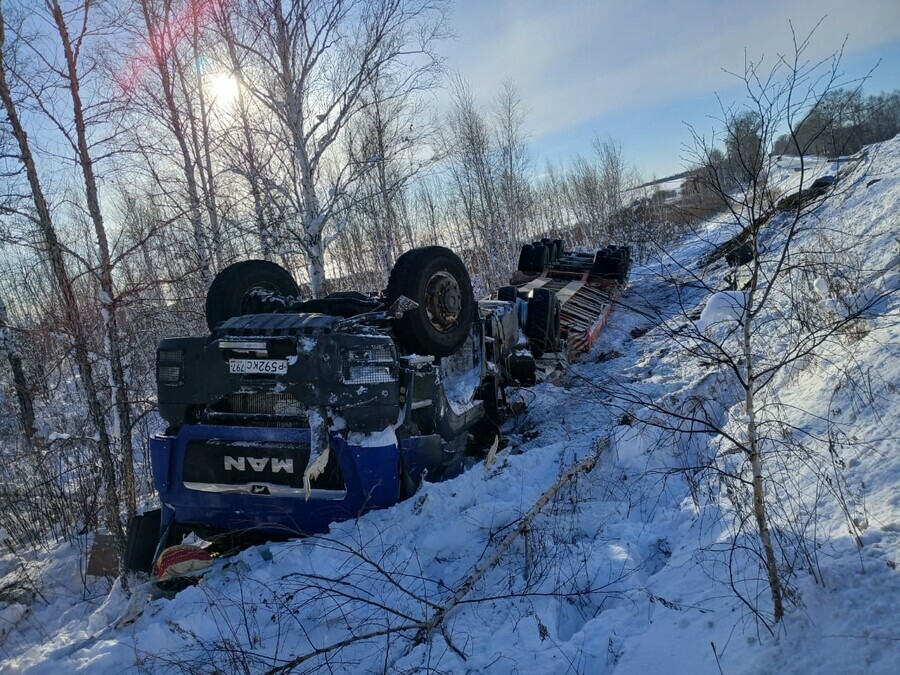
[[624, 572]]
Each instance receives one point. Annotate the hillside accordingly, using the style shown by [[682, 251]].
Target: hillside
[[636, 566]]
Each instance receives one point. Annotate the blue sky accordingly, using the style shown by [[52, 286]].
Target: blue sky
[[638, 70]]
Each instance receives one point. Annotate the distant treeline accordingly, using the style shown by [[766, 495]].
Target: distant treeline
[[841, 123]]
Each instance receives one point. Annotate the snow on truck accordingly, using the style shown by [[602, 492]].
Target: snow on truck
[[294, 413]]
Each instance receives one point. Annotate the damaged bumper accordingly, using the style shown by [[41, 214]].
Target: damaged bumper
[[249, 478]]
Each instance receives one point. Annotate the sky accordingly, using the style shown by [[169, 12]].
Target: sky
[[640, 70]]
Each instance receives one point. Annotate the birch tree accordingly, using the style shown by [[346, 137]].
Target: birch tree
[[75, 324], [167, 33], [761, 331], [309, 66]]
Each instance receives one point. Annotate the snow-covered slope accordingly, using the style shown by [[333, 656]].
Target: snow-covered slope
[[632, 568]]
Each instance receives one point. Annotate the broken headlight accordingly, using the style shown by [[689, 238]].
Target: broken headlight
[[371, 365]]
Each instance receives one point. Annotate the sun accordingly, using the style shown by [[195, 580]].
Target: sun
[[224, 88]]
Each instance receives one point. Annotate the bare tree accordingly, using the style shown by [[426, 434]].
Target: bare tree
[[74, 47], [75, 324], [514, 164], [313, 67], [470, 144], [389, 136], [246, 152], [165, 36], [10, 349], [767, 323]]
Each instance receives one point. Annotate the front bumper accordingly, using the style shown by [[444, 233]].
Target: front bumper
[[371, 478], [370, 474]]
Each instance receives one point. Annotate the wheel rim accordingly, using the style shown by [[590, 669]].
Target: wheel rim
[[443, 301], [250, 301]]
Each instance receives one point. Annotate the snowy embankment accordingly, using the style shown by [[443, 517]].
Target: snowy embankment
[[626, 571]]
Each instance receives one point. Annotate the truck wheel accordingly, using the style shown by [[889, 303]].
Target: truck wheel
[[437, 279], [229, 294], [543, 321]]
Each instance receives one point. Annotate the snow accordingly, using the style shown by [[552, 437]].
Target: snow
[[723, 306], [378, 439], [626, 571], [460, 389]]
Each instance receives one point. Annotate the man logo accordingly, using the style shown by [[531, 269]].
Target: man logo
[[258, 464]]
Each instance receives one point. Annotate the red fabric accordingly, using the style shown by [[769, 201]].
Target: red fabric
[[177, 560]]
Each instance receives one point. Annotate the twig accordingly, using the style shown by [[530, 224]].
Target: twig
[[716, 654], [583, 466]]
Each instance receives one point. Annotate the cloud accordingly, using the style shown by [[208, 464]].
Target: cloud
[[580, 60]]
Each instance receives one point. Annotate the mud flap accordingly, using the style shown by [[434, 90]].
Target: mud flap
[[421, 457], [143, 537]]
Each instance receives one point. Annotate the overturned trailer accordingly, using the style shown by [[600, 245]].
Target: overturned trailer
[[581, 287], [294, 413]]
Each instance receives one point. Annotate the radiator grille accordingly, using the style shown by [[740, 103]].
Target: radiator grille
[[264, 403], [258, 409]]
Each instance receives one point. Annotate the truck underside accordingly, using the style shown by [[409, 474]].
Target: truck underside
[[293, 414]]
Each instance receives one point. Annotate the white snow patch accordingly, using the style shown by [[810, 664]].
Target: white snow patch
[[721, 307], [375, 439]]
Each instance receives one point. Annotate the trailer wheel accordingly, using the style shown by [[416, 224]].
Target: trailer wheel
[[604, 264], [552, 251], [543, 321], [230, 295], [508, 293], [437, 279], [540, 258], [559, 248], [525, 259], [522, 368]]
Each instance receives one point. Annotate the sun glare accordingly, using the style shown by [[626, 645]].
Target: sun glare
[[224, 88]]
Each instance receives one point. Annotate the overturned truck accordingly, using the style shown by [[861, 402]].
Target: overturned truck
[[293, 413]]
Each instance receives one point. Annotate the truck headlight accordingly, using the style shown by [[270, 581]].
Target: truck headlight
[[372, 365], [170, 367]]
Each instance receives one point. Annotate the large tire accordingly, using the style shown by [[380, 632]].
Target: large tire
[[610, 263], [543, 321], [522, 368], [559, 248], [508, 293], [540, 258], [229, 294], [600, 267], [524, 265], [437, 279], [554, 251]]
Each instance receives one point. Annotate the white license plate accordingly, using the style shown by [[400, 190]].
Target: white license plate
[[258, 366]]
